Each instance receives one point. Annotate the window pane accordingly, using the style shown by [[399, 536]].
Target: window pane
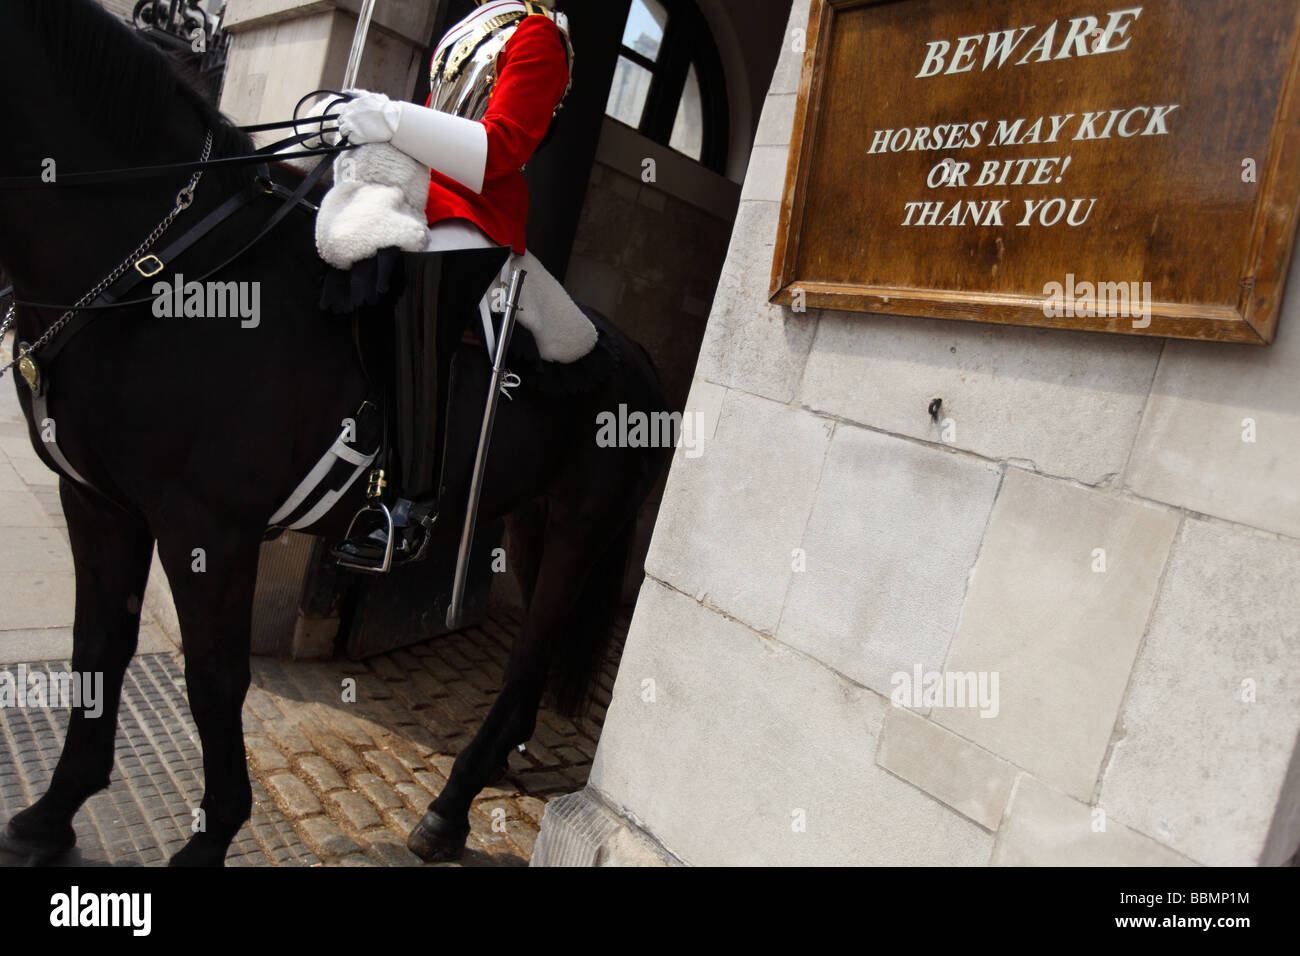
[[627, 94], [688, 129], [645, 28]]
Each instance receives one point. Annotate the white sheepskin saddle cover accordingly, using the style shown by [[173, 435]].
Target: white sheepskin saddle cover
[[377, 201]]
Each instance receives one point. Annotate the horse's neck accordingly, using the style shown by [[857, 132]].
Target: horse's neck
[[59, 242], [58, 246]]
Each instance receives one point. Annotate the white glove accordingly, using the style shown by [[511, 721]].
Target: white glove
[[454, 146], [369, 118]]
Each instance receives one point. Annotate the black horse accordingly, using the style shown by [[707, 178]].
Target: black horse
[[191, 432]]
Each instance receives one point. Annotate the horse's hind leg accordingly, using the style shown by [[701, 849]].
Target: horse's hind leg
[[111, 551], [212, 568], [565, 568]]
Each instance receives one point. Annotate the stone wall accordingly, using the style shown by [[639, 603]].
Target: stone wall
[[123, 8], [1085, 522], [283, 49], [648, 257], [120, 7]]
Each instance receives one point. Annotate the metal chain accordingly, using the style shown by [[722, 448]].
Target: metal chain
[[184, 199]]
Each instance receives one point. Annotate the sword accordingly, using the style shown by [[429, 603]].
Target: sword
[[455, 609], [358, 44]]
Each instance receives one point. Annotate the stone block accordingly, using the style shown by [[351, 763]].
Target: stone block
[[777, 124], [1205, 399], [1047, 828], [1068, 403], [751, 344], [704, 407], [323, 836], [731, 517], [386, 765], [785, 79], [293, 796], [765, 180], [888, 550], [353, 809], [1205, 758], [788, 746], [35, 550], [1060, 636], [967, 778], [319, 775]]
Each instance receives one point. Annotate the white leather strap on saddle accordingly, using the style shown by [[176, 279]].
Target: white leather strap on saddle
[[339, 453]]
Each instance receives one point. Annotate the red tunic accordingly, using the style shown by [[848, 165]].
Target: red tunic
[[532, 73]]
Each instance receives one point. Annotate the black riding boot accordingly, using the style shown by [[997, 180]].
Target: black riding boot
[[438, 303]]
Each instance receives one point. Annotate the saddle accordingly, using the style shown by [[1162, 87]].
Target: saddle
[[413, 304], [416, 341]]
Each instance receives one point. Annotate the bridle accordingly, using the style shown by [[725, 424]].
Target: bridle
[[143, 262]]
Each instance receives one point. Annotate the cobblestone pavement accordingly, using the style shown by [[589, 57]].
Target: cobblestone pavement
[[353, 778], [333, 781]]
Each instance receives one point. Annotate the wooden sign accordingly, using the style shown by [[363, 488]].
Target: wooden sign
[[1125, 168]]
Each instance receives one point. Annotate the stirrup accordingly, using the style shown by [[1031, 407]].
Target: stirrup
[[357, 563], [374, 503]]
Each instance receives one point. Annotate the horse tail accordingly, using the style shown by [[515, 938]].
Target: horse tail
[[588, 629]]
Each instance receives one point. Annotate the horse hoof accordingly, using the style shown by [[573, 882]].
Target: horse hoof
[[20, 846], [199, 854], [437, 840]]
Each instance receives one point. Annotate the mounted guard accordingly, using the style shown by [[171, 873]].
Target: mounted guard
[[175, 433], [445, 182]]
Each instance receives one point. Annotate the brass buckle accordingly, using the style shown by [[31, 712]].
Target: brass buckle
[[31, 372], [146, 270]]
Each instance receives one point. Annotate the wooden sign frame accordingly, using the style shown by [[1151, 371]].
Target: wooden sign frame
[[1252, 318]]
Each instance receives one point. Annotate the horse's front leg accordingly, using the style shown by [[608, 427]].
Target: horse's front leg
[[212, 568], [111, 551]]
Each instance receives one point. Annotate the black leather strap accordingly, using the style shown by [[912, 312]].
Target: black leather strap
[[260, 155], [113, 295], [52, 348], [196, 232]]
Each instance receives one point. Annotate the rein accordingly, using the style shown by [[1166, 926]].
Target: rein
[[108, 293], [260, 155]]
